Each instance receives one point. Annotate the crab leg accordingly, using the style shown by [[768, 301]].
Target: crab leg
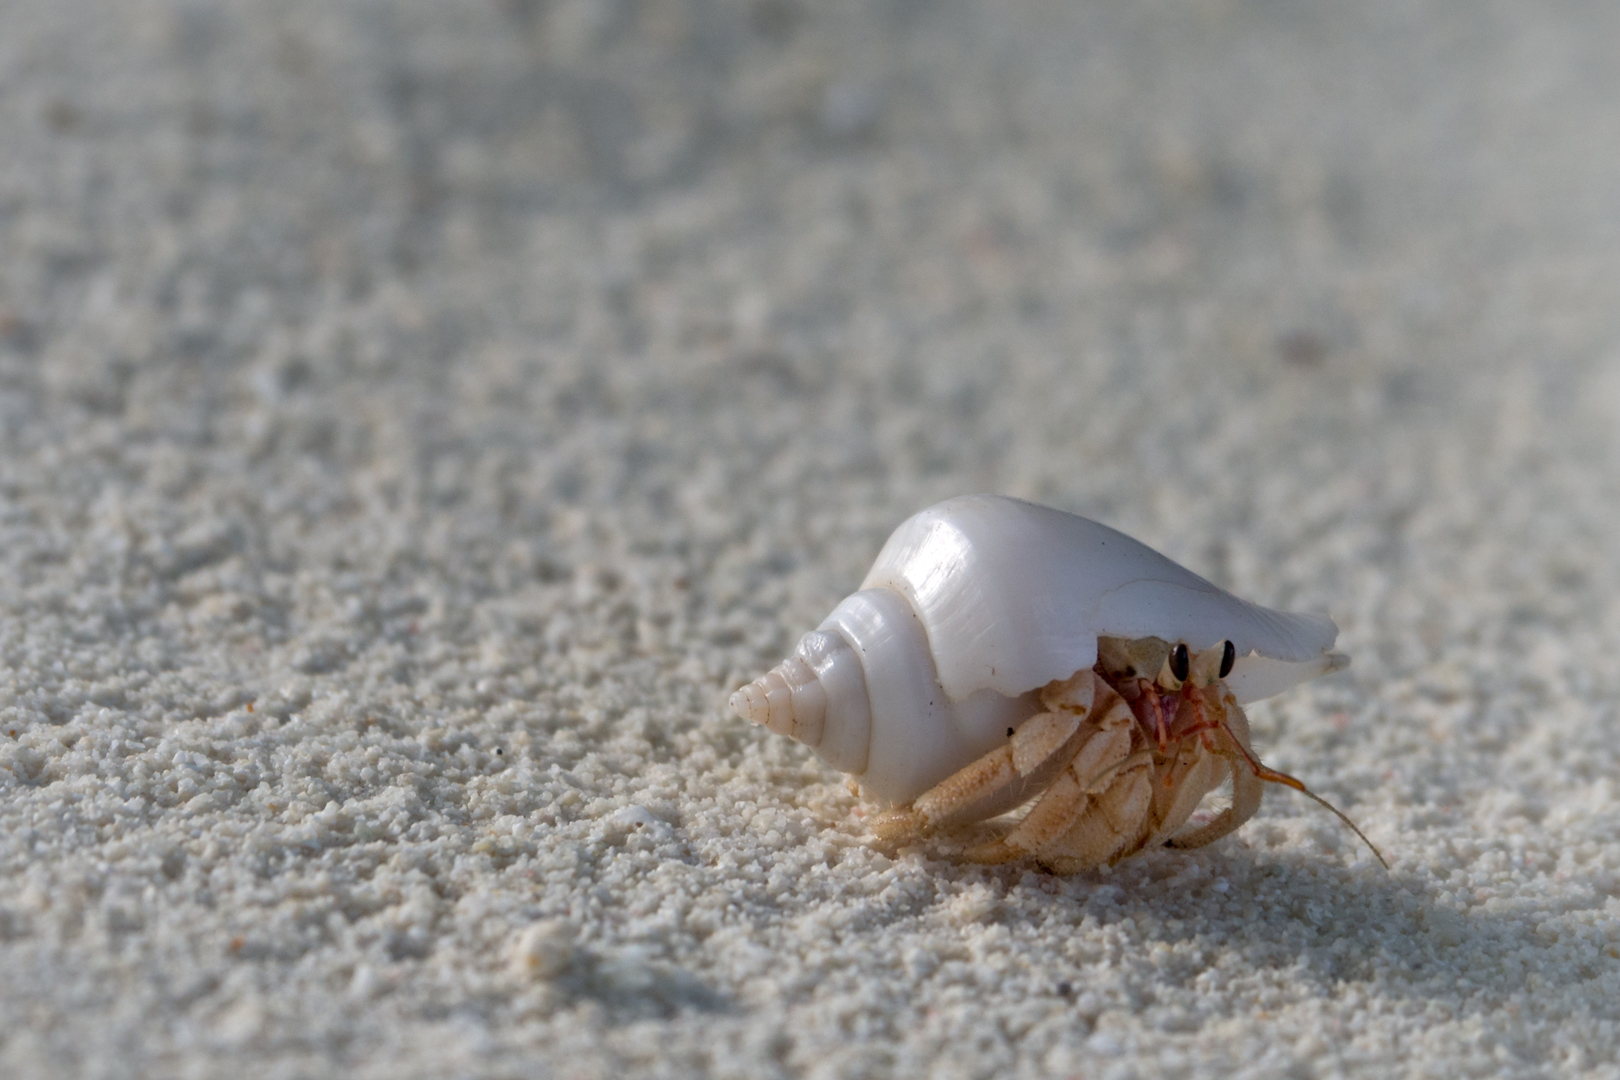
[[1103, 782], [1179, 787], [1011, 773], [1247, 788], [1106, 823]]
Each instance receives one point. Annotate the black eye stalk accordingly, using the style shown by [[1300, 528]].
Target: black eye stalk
[[1180, 662]]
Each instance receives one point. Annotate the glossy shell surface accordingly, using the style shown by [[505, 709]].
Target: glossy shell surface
[[1013, 595]]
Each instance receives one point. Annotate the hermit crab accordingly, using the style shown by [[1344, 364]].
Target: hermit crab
[[1001, 652]]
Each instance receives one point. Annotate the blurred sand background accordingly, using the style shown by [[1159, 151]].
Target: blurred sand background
[[417, 418]]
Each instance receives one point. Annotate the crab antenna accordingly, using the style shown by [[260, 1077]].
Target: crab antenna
[[1298, 785]]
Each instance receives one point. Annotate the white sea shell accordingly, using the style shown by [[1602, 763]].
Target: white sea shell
[[972, 607]]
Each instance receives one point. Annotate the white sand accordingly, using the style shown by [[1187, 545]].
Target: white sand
[[418, 417]]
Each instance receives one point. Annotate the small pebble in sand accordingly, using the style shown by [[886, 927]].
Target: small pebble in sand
[[543, 951]]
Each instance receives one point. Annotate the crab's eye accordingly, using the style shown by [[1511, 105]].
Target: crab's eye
[[1180, 662], [1228, 658]]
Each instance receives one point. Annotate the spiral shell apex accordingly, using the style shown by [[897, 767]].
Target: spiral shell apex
[[818, 697], [788, 699]]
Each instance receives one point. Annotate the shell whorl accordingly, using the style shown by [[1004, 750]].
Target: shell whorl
[[818, 697], [863, 693]]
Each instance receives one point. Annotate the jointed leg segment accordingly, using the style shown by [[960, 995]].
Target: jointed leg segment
[[1009, 774], [1111, 779], [1103, 779], [1120, 763]]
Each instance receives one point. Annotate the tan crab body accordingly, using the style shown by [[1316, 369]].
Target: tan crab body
[[1000, 652]]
